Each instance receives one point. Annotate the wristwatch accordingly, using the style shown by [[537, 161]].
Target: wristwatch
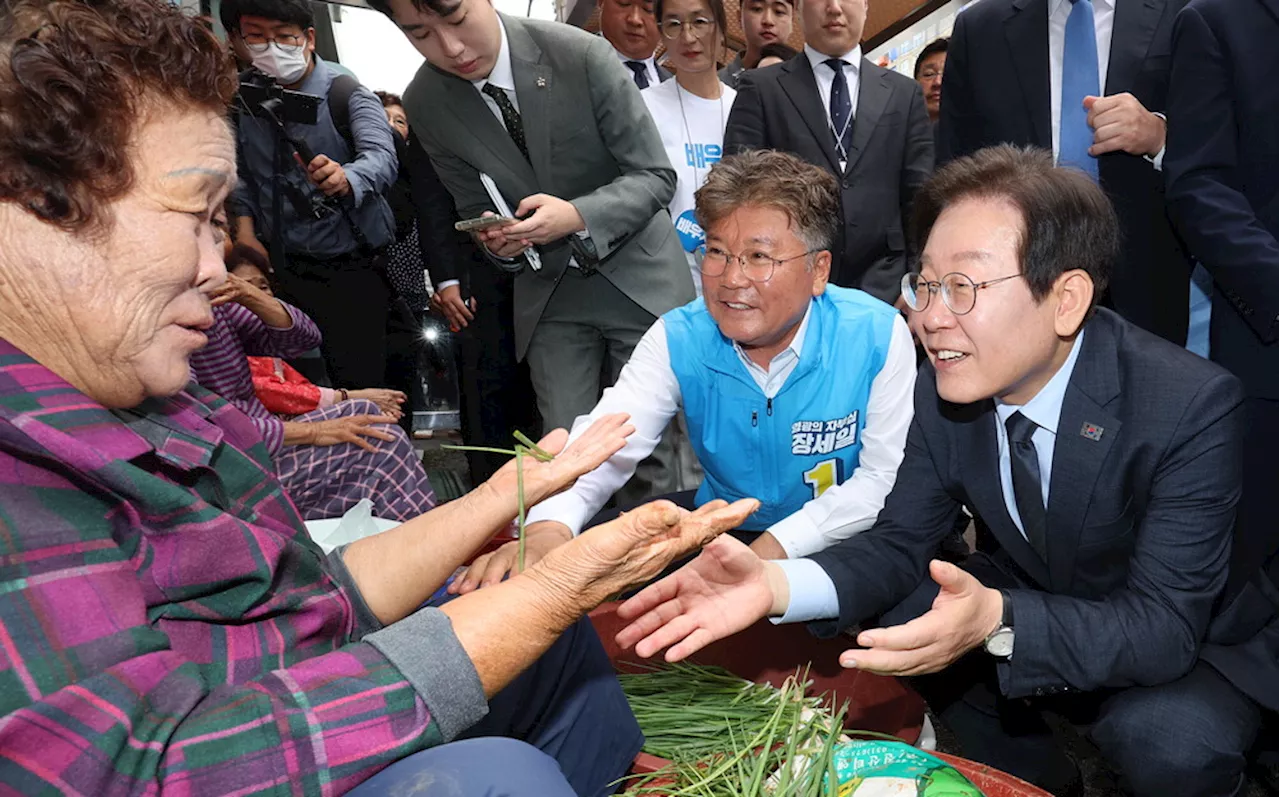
[[999, 643]]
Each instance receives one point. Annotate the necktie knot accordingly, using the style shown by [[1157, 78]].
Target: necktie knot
[[836, 64], [1020, 428], [641, 73]]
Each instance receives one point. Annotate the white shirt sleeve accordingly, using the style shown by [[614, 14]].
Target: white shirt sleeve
[[813, 593], [852, 507], [648, 391]]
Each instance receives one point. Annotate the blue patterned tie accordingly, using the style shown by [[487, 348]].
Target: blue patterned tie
[[1079, 80], [841, 109]]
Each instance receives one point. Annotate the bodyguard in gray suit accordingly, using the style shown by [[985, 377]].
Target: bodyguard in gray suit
[[551, 115]]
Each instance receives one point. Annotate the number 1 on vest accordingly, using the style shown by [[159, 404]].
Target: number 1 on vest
[[823, 476]]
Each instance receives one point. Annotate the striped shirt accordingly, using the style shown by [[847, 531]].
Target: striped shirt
[[166, 623], [223, 367]]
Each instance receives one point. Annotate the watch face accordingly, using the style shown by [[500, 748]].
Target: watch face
[[1000, 643]]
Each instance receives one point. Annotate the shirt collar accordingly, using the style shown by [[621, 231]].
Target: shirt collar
[[318, 81], [501, 74], [1056, 5], [795, 347], [648, 62], [816, 59], [1046, 406], [74, 427]]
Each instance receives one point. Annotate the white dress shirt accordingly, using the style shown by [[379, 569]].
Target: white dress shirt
[[813, 593], [649, 391], [650, 66], [1104, 15], [826, 76]]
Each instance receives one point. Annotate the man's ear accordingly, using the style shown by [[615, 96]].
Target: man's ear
[[1073, 291], [821, 271]]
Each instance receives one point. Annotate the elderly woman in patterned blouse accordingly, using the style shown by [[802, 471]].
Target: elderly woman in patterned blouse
[[166, 624]]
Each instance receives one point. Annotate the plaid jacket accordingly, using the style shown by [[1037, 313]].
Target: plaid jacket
[[166, 623]]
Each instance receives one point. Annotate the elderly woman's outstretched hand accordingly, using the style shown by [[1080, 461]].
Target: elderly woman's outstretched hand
[[637, 546], [601, 440]]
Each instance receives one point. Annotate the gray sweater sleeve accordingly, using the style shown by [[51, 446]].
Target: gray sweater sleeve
[[366, 621], [424, 648]]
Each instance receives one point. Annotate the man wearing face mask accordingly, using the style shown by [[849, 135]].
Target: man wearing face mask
[[333, 259]]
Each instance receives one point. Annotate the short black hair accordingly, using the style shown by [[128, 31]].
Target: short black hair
[[932, 48], [229, 16], [294, 12], [778, 50], [442, 7], [1068, 222], [717, 13], [244, 255]]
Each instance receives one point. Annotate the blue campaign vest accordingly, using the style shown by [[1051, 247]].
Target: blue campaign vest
[[787, 450]]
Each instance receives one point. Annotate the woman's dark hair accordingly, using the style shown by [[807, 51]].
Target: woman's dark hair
[[75, 81], [778, 50], [243, 255], [294, 12], [717, 14], [1067, 221], [389, 99]]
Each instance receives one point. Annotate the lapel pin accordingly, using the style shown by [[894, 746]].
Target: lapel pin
[[541, 82], [1091, 431]]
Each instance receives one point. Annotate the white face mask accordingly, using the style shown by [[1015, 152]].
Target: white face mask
[[286, 64]]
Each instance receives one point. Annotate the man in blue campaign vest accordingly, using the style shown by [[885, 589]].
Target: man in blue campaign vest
[[796, 393]]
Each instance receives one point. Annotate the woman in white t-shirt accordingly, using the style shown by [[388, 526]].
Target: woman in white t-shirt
[[691, 110]]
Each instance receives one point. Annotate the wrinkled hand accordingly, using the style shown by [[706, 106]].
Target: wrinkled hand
[[491, 568], [1121, 124], [237, 289], [389, 401], [448, 302], [353, 429], [553, 218], [635, 547], [962, 615], [496, 240], [724, 590], [329, 176], [601, 440]]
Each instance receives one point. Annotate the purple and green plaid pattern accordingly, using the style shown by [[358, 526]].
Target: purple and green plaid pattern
[[166, 623]]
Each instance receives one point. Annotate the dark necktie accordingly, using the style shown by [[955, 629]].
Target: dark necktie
[[841, 110], [510, 116], [642, 73], [1025, 466]]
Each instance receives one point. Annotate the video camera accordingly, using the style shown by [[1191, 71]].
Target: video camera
[[261, 96]]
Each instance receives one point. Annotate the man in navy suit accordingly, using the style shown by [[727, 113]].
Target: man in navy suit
[[1106, 464], [1086, 79], [1220, 169]]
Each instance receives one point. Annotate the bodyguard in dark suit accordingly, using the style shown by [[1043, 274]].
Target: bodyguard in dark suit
[[867, 125], [1106, 463], [1017, 69], [630, 27], [1221, 170]]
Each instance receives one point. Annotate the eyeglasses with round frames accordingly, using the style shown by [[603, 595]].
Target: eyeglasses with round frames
[[757, 266], [699, 27], [258, 43], [959, 293]]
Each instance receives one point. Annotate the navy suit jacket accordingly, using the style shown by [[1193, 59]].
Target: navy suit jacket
[[1220, 166], [996, 90], [779, 107], [1139, 519]]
